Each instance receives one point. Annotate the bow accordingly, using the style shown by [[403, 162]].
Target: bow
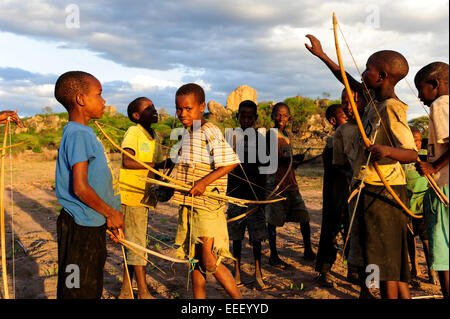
[[2, 212], [129, 244], [182, 185], [365, 139], [268, 198]]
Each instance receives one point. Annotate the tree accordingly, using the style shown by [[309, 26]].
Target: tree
[[421, 123], [47, 110]]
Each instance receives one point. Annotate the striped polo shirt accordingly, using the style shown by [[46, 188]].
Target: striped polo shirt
[[203, 150]]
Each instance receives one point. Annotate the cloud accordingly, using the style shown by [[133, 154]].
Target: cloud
[[224, 44]]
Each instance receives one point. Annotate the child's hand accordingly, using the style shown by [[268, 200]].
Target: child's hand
[[114, 222], [13, 116], [425, 168], [198, 189], [315, 47], [379, 152]]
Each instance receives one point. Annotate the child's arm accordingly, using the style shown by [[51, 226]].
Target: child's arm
[[200, 185], [12, 114], [402, 155], [129, 163], [428, 168], [316, 49], [81, 187]]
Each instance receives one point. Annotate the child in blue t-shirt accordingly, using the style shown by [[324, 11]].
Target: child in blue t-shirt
[[85, 188]]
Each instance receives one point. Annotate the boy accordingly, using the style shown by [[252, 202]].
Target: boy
[[346, 151], [432, 83], [335, 193], [383, 71], [383, 226], [141, 141], [246, 182], [417, 186], [204, 162], [85, 188], [293, 209]]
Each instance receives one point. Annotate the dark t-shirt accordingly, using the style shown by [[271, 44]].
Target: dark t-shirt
[[238, 186]]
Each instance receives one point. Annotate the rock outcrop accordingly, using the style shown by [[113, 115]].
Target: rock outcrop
[[40, 123], [218, 111], [242, 93]]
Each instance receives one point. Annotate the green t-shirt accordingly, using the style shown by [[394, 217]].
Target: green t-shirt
[[417, 185]]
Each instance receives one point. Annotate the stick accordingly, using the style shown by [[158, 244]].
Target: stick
[[2, 213]]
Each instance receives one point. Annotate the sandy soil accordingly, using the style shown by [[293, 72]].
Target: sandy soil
[[32, 255]]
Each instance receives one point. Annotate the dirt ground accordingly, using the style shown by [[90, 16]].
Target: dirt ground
[[32, 255]]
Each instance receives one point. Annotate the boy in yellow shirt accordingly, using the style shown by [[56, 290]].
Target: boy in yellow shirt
[[142, 142]]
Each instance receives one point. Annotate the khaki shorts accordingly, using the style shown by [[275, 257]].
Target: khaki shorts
[[205, 223], [293, 209], [136, 221]]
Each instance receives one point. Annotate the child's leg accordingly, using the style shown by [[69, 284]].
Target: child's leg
[[257, 255], [125, 292], [272, 230], [305, 229], [198, 284], [222, 274], [394, 290], [237, 248], [412, 252], [443, 279], [143, 292]]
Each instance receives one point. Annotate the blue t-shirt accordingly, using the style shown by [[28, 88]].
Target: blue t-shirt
[[80, 144]]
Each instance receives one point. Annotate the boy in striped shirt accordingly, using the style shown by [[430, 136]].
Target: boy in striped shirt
[[204, 161]]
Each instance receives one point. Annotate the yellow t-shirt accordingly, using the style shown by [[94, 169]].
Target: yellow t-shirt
[[392, 131], [146, 149]]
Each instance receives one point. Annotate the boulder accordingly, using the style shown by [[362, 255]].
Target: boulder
[[242, 93], [218, 111], [111, 109]]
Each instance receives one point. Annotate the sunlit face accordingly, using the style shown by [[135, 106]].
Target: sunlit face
[[418, 140], [247, 117], [94, 104], [427, 93], [281, 117], [146, 113], [340, 117], [188, 109], [347, 107], [371, 76]]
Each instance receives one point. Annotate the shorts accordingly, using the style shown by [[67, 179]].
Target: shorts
[[255, 223], [419, 228], [355, 255], [80, 248], [383, 231], [136, 220], [293, 209], [436, 220], [204, 223]]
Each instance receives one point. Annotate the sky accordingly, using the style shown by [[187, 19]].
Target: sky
[[150, 48]]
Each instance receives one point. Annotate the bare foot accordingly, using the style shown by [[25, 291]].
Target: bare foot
[[145, 295]]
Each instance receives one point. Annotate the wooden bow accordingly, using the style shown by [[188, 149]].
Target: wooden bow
[[182, 185], [2, 213], [364, 137]]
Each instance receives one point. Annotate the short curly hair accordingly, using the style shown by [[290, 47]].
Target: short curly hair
[[192, 88], [69, 85]]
